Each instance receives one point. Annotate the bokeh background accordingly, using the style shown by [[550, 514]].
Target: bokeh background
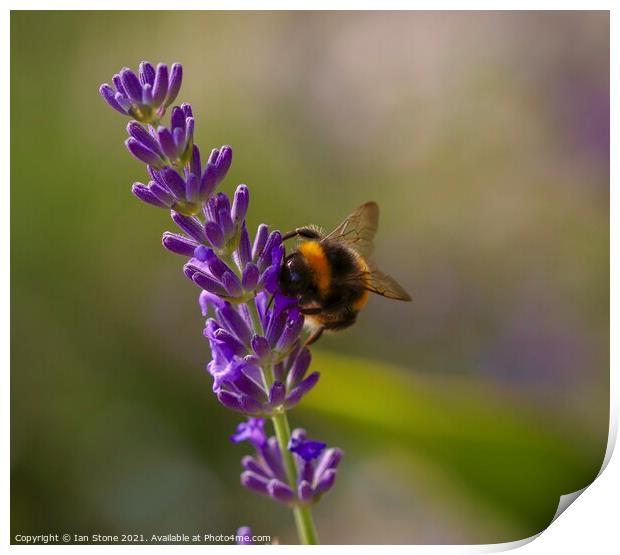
[[464, 415]]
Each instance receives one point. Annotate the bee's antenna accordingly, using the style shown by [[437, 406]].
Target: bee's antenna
[[304, 232]]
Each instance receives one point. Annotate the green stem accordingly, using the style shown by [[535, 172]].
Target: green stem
[[303, 515]]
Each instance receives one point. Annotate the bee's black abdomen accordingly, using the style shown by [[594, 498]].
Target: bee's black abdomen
[[341, 261]]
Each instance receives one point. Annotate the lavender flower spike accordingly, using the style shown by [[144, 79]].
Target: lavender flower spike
[[145, 96], [259, 365]]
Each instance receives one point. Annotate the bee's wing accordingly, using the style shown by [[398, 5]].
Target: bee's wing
[[358, 229], [378, 282]]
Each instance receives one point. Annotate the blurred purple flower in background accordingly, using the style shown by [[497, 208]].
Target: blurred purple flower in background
[[244, 536]]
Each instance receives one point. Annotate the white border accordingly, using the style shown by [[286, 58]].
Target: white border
[[590, 523]]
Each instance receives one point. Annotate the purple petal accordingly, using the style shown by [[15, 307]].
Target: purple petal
[[144, 194], [250, 277], [264, 259], [214, 235], [131, 83], [249, 387], [205, 299], [280, 491], [239, 403], [259, 241], [276, 394], [240, 204], [187, 110], [232, 284], [190, 225], [179, 244], [275, 327], [167, 142], [232, 343], [202, 253], [142, 153], [147, 73], [244, 249], [253, 430], [206, 282], [190, 124], [308, 450], [225, 222], [174, 182], [254, 482], [233, 321], [174, 83], [124, 102], [224, 160], [251, 464], [299, 391], [147, 95], [216, 266], [260, 346], [194, 163], [208, 182], [192, 187], [143, 137], [177, 119], [178, 136], [160, 85], [118, 83], [250, 406], [222, 202], [299, 368], [305, 492], [306, 472], [330, 459], [108, 93], [269, 280], [326, 481], [292, 328], [161, 193], [272, 457]]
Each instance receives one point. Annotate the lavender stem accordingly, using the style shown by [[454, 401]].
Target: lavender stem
[[303, 514]]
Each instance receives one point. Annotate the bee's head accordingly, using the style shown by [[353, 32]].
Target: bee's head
[[295, 275]]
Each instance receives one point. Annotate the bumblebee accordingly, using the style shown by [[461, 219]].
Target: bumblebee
[[331, 275]]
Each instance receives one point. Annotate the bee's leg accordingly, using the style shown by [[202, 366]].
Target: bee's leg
[[305, 232], [314, 337]]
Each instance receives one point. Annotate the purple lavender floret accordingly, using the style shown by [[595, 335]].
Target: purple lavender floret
[[145, 96], [186, 191], [160, 147], [238, 354], [224, 261], [264, 472]]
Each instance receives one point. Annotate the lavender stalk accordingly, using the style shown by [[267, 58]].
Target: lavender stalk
[[259, 363]]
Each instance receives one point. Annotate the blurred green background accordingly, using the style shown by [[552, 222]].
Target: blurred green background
[[464, 415]]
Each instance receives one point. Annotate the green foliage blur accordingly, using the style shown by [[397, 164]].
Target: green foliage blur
[[465, 414]]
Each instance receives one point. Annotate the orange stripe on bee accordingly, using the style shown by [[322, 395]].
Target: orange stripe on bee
[[359, 303], [313, 252]]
